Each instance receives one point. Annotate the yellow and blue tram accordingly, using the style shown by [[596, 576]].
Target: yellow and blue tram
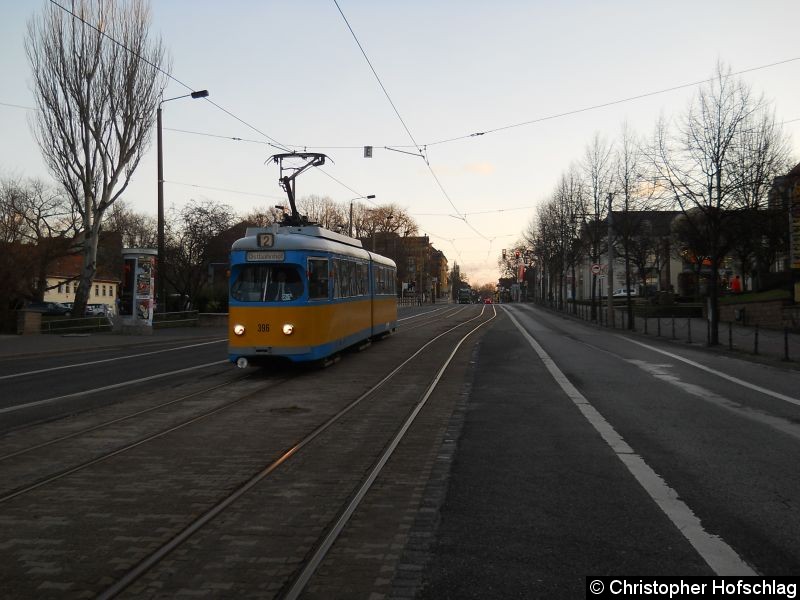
[[304, 293]]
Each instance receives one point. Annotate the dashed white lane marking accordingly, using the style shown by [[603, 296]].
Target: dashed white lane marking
[[743, 383], [662, 372], [714, 550], [107, 387], [105, 360]]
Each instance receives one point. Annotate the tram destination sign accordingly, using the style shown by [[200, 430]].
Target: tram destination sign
[[273, 255]]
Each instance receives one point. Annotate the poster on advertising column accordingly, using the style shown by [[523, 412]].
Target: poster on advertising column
[[144, 289]]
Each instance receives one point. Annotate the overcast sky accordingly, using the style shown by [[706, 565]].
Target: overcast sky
[[293, 71]]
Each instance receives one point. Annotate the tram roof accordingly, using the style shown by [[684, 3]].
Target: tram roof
[[306, 237]]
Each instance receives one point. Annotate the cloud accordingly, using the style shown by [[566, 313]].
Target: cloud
[[480, 168], [474, 168]]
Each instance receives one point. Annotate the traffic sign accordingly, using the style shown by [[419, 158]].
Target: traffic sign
[[595, 269]]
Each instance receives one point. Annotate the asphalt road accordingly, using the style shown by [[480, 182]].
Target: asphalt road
[[540, 495], [579, 451], [49, 382]]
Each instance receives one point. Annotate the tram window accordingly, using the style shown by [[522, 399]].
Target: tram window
[[267, 283], [350, 278], [384, 280], [363, 279], [318, 278]]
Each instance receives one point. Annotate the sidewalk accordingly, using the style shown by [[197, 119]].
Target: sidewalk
[[31, 345]]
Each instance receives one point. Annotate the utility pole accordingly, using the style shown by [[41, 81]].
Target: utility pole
[[610, 282]]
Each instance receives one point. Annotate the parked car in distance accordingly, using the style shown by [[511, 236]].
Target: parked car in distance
[[99, 310], [623, 293], [50, 308]]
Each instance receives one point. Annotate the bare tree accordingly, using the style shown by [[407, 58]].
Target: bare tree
[[137, 230], [699, 167], [264, 216], [190, 232], [543, 235], [597, 165], [38, 223], [635, 195], [386, 218], [760, 155], [324, 211], [97, 78], [569, 210]]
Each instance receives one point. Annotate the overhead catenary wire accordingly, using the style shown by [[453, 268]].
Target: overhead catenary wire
[[169, 75], [419, 148], [377, 77], [607, 104]]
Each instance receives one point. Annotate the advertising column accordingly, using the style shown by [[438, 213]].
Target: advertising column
[[137, 297]]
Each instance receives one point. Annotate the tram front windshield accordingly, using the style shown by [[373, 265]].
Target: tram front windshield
[[267, 283]]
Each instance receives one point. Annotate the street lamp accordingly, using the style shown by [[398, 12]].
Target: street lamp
[[350, 227], [161, 298]]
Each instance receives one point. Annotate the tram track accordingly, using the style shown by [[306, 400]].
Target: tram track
[[299, 583], [10, 494], [4, 497], [243, 486], [324, 542]]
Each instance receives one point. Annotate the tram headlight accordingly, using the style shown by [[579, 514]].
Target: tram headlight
[[288, 329], [238, 329]]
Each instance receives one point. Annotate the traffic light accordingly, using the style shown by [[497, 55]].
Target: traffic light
[[516, 253], [504, 253]]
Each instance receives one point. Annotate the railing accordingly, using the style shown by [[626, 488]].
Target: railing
[[682, 323], [76, 326], [185, 318]]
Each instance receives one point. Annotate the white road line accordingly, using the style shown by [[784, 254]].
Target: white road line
[[663, 373], [105, 360], [422, 314], [720, 557], [736, 380], [108, 387]]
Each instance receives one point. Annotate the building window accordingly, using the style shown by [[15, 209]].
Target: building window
[[74, 287], [111, 290], [96, 290], [104, 290], [60, 287]]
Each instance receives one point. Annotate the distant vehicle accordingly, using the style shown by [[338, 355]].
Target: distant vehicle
[[623, 293], [50, 308], [487, 300], [465, 296], [99, 310]]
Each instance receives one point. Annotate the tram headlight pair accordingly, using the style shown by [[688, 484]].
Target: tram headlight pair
[[238, 329]]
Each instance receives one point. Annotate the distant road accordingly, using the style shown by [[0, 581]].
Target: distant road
[[586, 451]]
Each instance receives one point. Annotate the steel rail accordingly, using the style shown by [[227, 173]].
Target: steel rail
[[316, 559], [102, 458], [159, 554], [117, 420]]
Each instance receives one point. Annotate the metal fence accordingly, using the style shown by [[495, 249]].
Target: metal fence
[[61, 326], [185, 318], [749, 339]]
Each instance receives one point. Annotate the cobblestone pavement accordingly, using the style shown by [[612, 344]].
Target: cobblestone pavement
[[76, 537]]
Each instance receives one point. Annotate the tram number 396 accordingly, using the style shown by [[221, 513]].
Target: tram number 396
[[263, 328]]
